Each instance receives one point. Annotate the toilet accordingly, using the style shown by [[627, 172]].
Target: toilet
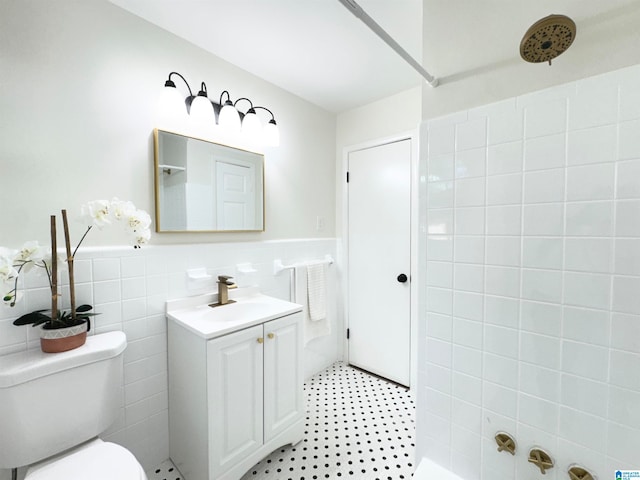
[[41, 430]]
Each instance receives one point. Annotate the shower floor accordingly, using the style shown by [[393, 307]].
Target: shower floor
[[358, 426]]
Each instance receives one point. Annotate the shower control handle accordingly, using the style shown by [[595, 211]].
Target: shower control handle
[[402, 278]]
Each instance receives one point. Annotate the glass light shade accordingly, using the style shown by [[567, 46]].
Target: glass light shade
[[252, 127], [271, 134], [172, 111], [202, 112], [229, 119]]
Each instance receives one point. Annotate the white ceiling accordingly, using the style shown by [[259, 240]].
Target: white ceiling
[[318, 50]]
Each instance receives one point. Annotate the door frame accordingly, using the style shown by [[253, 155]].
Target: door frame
[[413, 136]]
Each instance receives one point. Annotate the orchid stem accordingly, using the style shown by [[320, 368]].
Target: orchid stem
[[54, 271], [67, 242], [80, 242]]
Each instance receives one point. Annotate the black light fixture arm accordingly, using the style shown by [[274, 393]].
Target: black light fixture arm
[[228, 102], [250, 103], [203, 90], [273, 118], [243, 98], [170, 83]]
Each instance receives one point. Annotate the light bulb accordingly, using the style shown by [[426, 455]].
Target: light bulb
[[201, 112], [229, 119], [172, 112], [271, 134], [252, 127]]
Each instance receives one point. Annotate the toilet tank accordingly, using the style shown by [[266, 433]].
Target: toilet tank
[[50, 402]]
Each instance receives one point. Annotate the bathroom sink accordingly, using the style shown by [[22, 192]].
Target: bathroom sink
[[246, 310]]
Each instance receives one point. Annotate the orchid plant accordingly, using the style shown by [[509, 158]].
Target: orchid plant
[[15, 263]]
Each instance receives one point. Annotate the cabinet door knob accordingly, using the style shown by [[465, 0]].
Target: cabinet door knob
[[260, 340], [271, 335]]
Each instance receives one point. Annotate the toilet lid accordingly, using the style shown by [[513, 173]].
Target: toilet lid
[[98, 461]]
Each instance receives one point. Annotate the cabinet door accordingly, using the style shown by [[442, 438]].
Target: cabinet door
[[283, 377], [234, 371]]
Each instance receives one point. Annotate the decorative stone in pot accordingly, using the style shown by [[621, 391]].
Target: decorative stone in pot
[[63, 339]]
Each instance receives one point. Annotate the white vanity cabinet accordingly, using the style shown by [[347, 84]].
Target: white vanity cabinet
[[236, 396], [253, 379]]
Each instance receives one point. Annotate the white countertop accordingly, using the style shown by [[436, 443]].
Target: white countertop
[[250, 308]]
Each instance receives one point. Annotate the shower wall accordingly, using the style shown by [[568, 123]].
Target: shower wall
[[530, 221]]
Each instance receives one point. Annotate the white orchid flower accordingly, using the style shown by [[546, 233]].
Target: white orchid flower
[[121, 209], [7, 270], [137, 225], [140, 220], [96, 212], [142, 237], [30, 254]]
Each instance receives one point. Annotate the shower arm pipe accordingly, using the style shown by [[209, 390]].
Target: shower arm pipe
[[357, 10]]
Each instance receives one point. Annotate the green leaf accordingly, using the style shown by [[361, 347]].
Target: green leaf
[[83, 308], [34, 317]]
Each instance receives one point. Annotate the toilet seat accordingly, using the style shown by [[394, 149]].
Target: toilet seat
[[96, 460]]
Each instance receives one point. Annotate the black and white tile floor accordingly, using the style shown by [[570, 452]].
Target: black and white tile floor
[[358, 427]]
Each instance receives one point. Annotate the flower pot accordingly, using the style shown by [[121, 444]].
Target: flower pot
[[63, 339]]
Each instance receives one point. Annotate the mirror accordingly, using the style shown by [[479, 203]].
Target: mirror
[[202, 186]]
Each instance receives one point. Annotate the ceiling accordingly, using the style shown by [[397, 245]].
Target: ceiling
[[321, 52]]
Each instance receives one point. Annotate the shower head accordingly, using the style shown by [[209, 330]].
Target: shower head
[[547, 38]]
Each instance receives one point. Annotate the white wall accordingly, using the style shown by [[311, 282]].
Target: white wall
[[532, 321], [80, 84], [395, 114]]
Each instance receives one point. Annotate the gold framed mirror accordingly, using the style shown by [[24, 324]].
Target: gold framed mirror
[[202, 186]]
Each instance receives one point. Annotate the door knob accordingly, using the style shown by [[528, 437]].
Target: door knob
[[402, 278]]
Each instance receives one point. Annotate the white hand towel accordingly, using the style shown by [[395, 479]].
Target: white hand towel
[[312, 329], [316, 291]]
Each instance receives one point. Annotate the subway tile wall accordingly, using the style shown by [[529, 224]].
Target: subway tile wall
[[129, 289], [532, 291]]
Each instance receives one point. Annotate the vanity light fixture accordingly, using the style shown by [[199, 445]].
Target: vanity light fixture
[[200, 112]]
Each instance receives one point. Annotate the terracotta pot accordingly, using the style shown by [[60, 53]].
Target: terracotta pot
[[63, 339]]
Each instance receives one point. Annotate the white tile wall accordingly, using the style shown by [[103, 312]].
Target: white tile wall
[[535, 325], [129, 289]]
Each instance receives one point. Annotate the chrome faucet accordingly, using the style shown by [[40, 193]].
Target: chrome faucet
[[224, 285]]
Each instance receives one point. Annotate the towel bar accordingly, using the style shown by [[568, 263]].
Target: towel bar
[[279, 267]]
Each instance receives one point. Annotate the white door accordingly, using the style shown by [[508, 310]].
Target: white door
[[283, 377], [379, 259], [234, 388], [236, 196]]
